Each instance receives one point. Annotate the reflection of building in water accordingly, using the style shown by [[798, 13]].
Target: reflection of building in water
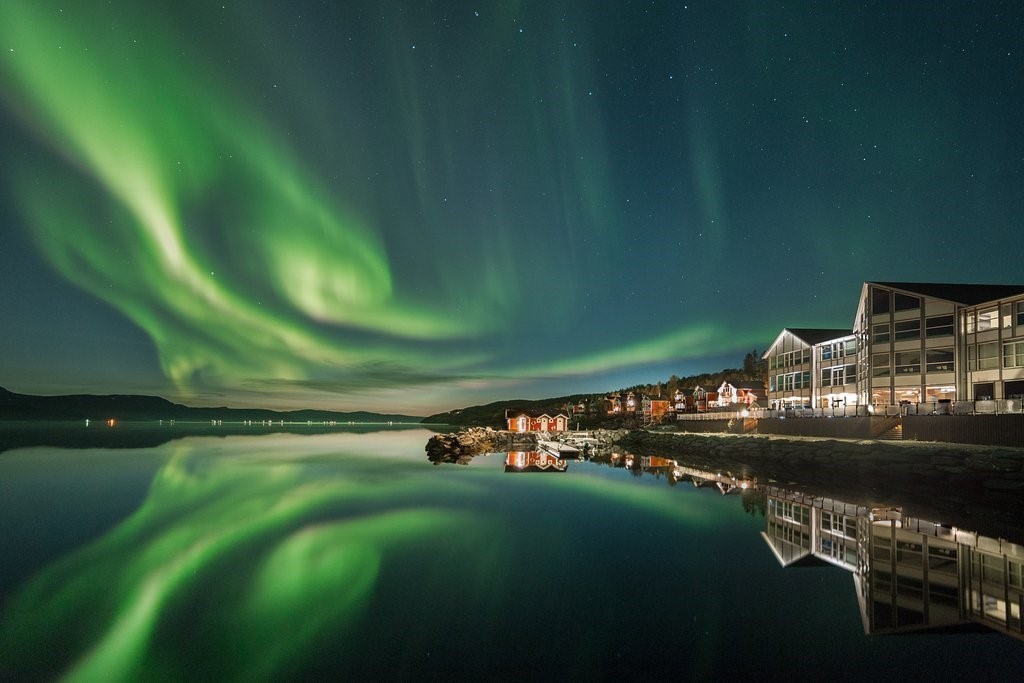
[[909, 574], [532, 461], [726, 483]]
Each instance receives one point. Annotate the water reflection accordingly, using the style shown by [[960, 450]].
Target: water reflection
[[268, 544], [909, 574], [534, 461]]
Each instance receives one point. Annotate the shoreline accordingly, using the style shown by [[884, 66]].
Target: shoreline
[[981, 487]]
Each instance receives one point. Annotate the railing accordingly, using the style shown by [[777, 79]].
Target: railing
[[716, 415], [838, 411], [996, 407]]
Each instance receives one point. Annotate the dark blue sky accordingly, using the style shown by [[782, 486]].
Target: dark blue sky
[[420, 206]]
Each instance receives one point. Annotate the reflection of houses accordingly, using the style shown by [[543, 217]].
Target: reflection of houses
[[909, 574], [798, 530], [535, 421], [533, 461], [725, 483]]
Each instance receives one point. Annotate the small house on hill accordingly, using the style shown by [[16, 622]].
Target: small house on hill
[[732, 393]]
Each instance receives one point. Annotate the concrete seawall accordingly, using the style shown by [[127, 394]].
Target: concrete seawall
[[990, 430]]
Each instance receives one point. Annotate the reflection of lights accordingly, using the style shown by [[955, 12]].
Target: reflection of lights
[[871, 408], [745, 413], [744, 486], [111, 422]]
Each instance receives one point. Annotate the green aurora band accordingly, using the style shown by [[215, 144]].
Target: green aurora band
[[172, 195], [176, 159]]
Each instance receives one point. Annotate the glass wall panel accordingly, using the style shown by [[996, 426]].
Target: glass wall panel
[[879, 301], [905, 302], [907, 329]]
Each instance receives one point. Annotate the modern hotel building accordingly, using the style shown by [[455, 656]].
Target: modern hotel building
[[910, 343]]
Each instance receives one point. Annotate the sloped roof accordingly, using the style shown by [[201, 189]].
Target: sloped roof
[[534, 413], [814, 336], [968, 294]]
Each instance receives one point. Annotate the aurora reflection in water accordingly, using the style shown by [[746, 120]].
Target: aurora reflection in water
[[344, 554]]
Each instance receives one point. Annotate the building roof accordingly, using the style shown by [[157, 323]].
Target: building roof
[[534, 413], [968, 294], [814, 335]]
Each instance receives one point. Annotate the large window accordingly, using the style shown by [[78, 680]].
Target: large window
[[905, 302], [908, 362], [988, 356], [939, 326], [880, 333], [939, 360], [880, 365], [838, 376], [907, 329], [793, 380], [988, 319], [1020, 313], [879, 301], [839, 349], [1013, 355]]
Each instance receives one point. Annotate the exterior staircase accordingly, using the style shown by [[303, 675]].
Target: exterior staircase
[[894, 433]]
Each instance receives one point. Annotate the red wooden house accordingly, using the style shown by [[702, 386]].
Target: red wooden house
[[536, 421]]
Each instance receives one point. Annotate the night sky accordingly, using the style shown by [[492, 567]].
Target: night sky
[[412, 207]]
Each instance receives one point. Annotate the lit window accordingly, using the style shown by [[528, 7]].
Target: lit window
[[1013, 355], [988, 320], [988, 356]]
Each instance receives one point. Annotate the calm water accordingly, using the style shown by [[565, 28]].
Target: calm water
[[346, 555]]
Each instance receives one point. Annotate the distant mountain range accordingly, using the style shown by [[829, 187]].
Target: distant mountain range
[[138, 408]]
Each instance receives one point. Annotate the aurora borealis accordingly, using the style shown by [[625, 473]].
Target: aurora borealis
[[417, 206]]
